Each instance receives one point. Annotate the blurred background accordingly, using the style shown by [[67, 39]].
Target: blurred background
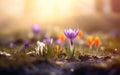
[[55, 15]]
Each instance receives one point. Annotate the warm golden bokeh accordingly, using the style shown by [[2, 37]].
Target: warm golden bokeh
[[17, 15]]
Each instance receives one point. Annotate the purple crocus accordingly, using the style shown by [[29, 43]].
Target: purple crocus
[[11, 44], [48, 40], [71, 34], [59, 42], [114, 33], [26, 44], [36, 29]]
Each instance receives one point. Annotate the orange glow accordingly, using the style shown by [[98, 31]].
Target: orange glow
[[57, 48], [97, 41], [90, 40], [80, 34], [62, 37]]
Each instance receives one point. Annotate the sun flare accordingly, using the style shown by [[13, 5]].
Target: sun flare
[[60, 9]]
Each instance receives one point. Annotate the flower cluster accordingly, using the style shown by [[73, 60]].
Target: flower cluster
[[91, 41], [58, 45], [71, 34]]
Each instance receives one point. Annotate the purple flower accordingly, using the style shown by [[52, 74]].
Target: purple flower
[[36, 29], [71, 34], [11, 44], [114, 33], [26, 44], [48, 40], [59, 42]]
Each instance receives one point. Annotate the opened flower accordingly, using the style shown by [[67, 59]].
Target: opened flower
[[40, 46], [71, 34]]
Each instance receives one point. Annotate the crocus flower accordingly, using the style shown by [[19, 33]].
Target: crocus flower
[[90, 41], [48, 41], [71, 34], [57, 48], [97, 41], [80, 34], [62, 37], [40, 46], [114, 33], [35, 29], [5, 53], [11, 44], [59, 42], [26, 44]]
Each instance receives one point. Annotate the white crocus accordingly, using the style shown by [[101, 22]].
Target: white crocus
[[5, 53], [51, 41], [40, 46]]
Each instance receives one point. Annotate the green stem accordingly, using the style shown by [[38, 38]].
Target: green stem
[[72, 50]]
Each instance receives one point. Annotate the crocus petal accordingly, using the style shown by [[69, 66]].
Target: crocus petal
[[26, 44], [71, 34], [35, 29], [97, 41], [48, 41], [80, 34], [59, 42], [11, 45], [62, 37], [40, 47]]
